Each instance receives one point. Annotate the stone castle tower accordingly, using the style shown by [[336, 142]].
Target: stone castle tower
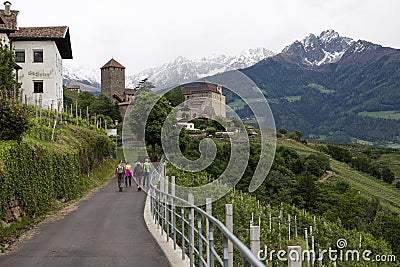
[[113, 80]]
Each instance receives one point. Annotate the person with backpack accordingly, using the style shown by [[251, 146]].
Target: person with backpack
[[147, 168], [120, 172], [128, 174], [138, 174]]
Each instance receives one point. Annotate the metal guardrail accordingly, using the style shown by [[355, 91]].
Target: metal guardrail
[[178, 222]]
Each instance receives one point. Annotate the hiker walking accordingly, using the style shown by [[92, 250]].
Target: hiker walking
[[128, 174], [120, 172], [146, 167], [138, 174]]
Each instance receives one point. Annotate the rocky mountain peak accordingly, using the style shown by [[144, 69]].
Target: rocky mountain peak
[[327, 47]]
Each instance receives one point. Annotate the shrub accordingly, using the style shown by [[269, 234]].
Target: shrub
[[14, 120]]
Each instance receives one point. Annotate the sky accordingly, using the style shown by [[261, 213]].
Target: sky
[[147, 33]]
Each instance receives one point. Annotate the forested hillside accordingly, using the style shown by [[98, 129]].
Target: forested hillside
[[354, 99]]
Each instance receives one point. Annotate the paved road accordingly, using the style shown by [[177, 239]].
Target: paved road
[[107, 229]]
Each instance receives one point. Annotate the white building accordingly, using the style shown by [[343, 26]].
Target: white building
[[39, 52], [188, 125]]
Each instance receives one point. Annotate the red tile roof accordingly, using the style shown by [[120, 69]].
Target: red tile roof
[[53, 32], [202, 87], [9, 22], [113, 63], [59, 34]]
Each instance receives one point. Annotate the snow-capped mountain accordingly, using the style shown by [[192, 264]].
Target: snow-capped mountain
[[178, 71], [87, 79], [183, 70], [328, 47]]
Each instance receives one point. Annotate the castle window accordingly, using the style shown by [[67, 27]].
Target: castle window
[[37, 87], [38, 56], [20, 56]]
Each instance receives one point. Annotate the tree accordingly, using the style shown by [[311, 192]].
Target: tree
[[85, 99], [211, 130], [9, 87], [104, 106], [14, 119], [296, 135], [316, 164], [307, 189], [153, 123], [283, 131], [387, 175], [175, 96], [70, 98], [144, 86], [339, 153]]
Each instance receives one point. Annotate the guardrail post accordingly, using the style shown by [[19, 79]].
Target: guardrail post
[[162, 202], [209, 211], [229, 225], [164, 170], [211, 242], [294, 256], [152, 205], [166, 200], [183, 232], [191, 229], [200, 239], [255, 239], [158, 209], [225, 247], [173, 210]]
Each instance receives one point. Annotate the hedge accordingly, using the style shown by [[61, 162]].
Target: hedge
[[36, 171]]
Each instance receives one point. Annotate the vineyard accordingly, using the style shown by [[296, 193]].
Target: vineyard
[[284, 225], [57, 159], [316, 210]]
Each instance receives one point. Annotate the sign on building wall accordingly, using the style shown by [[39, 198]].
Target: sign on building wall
[[42, 74]]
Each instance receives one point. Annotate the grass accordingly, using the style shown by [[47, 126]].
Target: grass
[[299, 147], [392, 161], [320, 88], [366, 184], [237, 104], [392, 115], [293, 98], [101, 173]]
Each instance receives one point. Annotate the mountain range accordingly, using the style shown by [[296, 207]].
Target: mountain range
[[328, 86], [87, 79], [332, 88], [178, 71]]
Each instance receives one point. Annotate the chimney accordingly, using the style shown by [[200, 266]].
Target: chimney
[[7, 6]]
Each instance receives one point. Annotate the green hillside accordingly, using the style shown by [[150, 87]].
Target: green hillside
[[365, 183]]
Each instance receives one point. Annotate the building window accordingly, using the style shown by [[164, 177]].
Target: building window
[[38, 56], [38, 87], [20, 56]]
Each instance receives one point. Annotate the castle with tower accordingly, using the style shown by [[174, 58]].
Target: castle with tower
[[203, 99], [113, 84]]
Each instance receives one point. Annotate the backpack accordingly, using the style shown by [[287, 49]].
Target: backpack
[[120, 169], [138, 170]]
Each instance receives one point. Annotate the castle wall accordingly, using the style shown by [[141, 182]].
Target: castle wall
[[113, 82]]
